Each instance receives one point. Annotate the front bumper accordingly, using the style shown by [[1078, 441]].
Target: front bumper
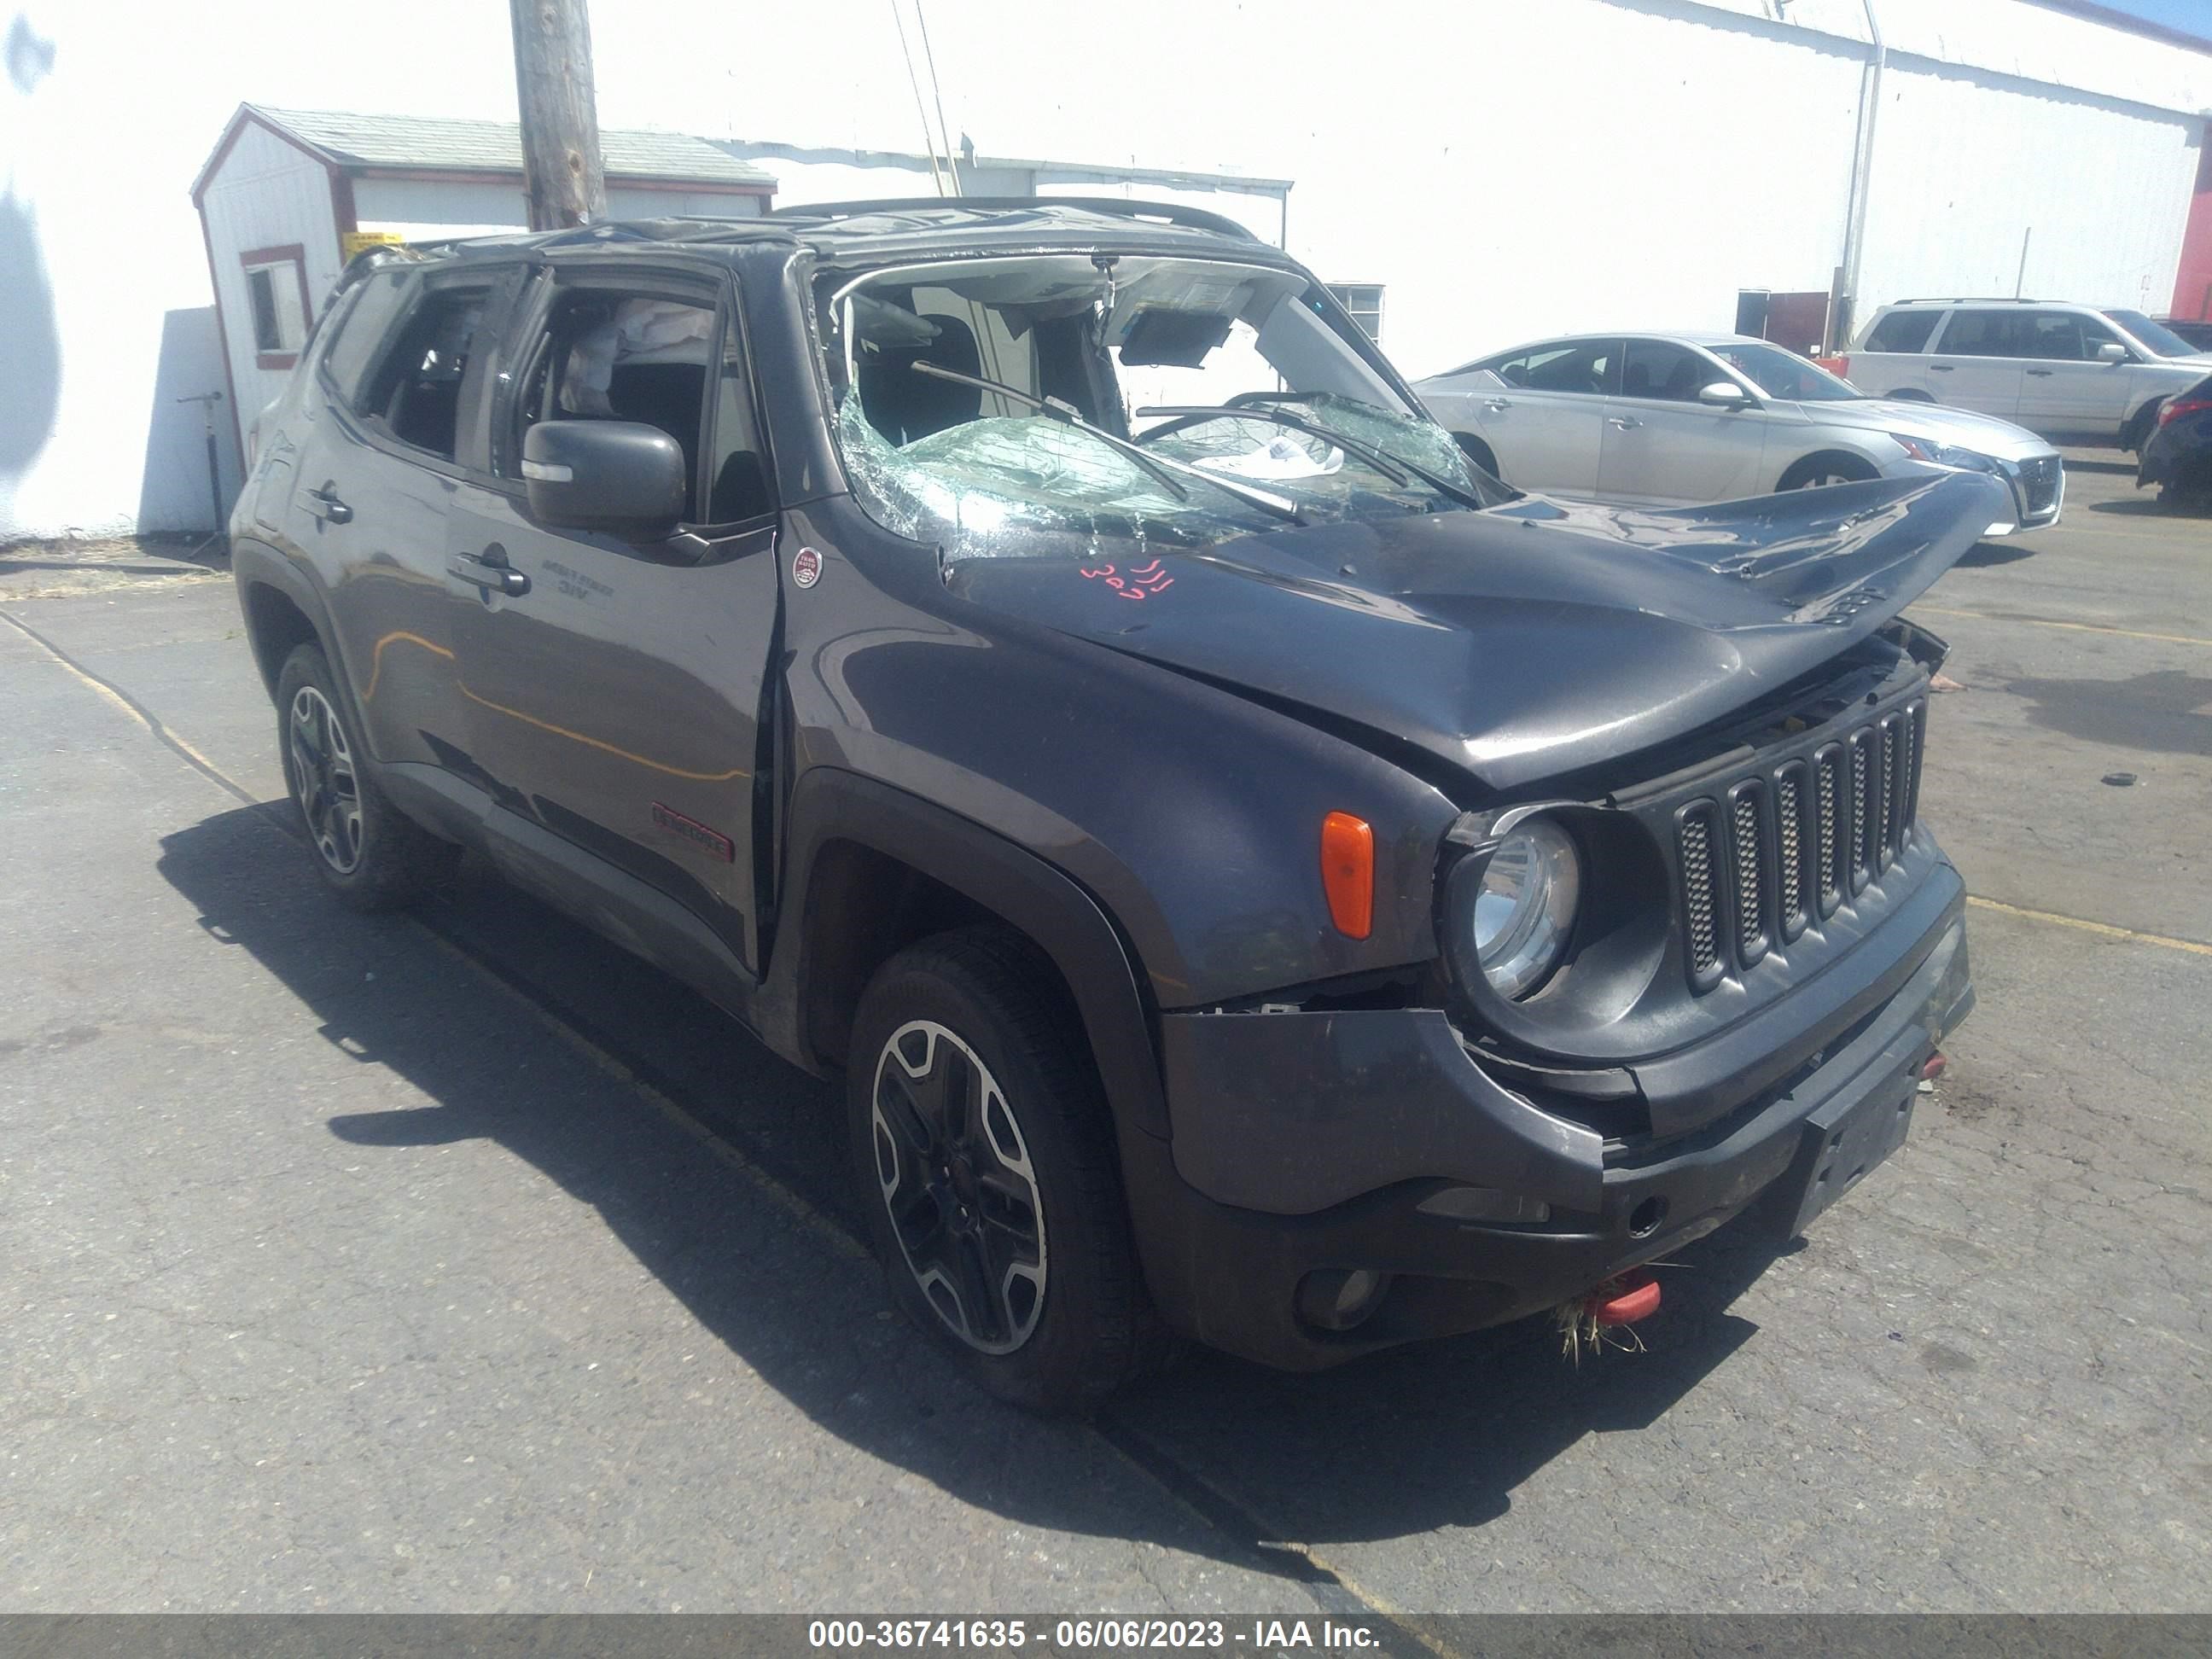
[[2178, 455], [2035, 489], [1278, 1116], [2036, 500]]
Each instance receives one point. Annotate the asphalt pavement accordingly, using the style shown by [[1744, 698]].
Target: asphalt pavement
[[457, 1262]]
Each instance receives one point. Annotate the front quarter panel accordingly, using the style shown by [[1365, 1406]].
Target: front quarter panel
[[1193, 815]]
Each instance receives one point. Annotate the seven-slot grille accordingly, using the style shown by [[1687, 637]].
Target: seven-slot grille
[[2039, 482], [1773, 853]]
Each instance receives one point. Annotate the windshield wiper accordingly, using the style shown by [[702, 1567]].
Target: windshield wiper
[[1159, 466], [1389, 463]]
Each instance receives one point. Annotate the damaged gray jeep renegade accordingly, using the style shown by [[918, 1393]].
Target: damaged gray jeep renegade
[[1260, 879]]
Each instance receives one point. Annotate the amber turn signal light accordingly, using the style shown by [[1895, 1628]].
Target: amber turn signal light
[[1347, 873]]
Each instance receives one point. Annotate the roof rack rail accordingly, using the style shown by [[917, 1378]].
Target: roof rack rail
[[1972, 300], [1171, 213]]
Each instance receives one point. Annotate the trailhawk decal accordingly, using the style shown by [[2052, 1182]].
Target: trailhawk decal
[[708, 841]]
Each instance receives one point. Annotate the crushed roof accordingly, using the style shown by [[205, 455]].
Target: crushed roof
[[922, 226], [453, 144]]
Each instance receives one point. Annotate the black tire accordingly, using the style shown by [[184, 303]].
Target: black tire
[[1827, 468], [366, 851], [1069, 1321], [2141, 425], [1480, 453]]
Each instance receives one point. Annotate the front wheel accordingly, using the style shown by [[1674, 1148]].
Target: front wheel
[[1818, 472], [984, 1158]]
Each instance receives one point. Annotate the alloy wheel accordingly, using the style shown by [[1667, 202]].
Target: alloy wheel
[[954, 1173], [325, 780]]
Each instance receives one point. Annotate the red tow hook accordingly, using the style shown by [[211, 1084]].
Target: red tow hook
[[1625, 1300], [1932, 1067]]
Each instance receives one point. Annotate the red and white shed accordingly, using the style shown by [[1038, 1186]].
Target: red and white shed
[[290, 195]]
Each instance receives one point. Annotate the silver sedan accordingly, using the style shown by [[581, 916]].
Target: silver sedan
[[1685, 419]]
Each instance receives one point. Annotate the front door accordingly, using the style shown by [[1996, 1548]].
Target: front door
[[1663, 445], [1975, 362], [617, 687], [2065, 388]]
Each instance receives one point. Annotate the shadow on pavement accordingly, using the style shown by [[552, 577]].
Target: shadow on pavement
[[2148, 506], [2161, 712], [1441, 1434], [2124, 467], [1395, 1445], [1982, 554]]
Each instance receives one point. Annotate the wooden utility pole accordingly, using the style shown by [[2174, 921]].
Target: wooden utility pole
[[562, 172]]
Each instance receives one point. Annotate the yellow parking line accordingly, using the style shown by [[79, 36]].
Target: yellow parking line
[[2104, 928], [2078, 628]]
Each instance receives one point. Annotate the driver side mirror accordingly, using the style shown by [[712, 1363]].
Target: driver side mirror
[[1726, 394], [2111, 352], [621, 476]]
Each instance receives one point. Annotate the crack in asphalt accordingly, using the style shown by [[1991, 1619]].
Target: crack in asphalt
[[1245, 1533]]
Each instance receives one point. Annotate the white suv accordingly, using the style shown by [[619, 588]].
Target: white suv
[[2071, 373]]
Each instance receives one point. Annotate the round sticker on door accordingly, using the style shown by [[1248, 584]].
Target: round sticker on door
[[806, 567]]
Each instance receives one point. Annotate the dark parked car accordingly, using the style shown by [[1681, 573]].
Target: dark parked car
[[2197, 334], [1258, 878], [2178, 456]]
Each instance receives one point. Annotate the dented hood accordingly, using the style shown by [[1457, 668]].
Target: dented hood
[[1526, 640]]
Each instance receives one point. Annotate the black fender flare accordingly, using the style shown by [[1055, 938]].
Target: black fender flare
[[1059, 916], [255, 563]]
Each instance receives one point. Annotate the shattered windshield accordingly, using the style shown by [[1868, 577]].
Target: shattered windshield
[[1129, 398]]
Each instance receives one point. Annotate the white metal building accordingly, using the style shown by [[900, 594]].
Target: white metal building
[[290, 195], [1474, 173]]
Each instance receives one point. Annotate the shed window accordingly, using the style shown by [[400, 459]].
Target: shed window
[[1364, 302], [276, 303]]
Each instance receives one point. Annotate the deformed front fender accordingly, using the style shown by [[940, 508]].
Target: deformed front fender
[[830, 805]]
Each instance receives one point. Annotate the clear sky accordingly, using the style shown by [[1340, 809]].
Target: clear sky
[[2193, 16]]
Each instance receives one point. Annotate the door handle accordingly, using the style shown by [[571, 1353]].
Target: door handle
[[1496, 404], [491, 572], [1940, 368], [1622, 421], [325, 504], [2040, 374]]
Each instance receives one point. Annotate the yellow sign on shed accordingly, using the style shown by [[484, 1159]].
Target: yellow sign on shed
[[352, 241]]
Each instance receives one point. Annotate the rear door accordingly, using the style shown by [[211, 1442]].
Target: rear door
[[1974, 361], [1661, 445], [2065, 388], [1893, 357], [1542, 415], [378, 465], [618, 699]]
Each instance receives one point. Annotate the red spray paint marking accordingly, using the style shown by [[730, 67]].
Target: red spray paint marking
[[1141, 583]]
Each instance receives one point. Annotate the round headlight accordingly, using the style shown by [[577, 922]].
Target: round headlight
[[1525, 907]]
